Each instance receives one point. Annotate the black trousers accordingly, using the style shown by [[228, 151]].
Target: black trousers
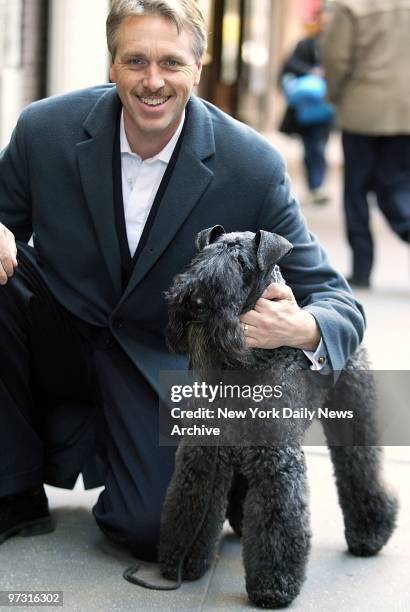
[[378, 164], [71, 401], [315, 139]]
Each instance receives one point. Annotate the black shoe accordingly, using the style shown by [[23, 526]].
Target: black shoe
[[358, 283], [26, 513]]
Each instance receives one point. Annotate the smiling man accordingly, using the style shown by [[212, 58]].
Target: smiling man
[[155, 69], [114, 183]]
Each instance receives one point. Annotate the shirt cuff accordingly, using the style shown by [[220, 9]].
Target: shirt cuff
[[319, 359]]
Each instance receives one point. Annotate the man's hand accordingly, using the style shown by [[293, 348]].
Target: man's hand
[[8, 254], [277, 321]]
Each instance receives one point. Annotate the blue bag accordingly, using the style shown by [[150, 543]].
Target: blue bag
[[307, 94], [310, 113]]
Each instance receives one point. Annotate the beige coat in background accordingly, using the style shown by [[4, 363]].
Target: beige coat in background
[[365, 51]]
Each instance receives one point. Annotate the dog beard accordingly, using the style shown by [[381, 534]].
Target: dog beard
[[199, 349], [223, 346]]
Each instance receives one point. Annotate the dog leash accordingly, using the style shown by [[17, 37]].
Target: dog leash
[[130, 572]]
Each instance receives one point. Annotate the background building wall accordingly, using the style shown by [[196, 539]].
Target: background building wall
[[48, 47], [77, 50], [11, 93], [34, 20]]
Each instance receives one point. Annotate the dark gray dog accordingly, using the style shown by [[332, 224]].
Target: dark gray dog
[[262, 489]]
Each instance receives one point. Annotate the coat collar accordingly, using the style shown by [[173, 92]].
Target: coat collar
[[96, 173], [189, 180]]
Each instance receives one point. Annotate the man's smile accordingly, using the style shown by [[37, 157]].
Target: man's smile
[[153, 101]]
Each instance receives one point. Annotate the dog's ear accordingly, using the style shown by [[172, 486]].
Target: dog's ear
[[270, 249], [208, 236]]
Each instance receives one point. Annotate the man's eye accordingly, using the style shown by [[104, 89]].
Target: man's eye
[[171, 63], [136, 61]]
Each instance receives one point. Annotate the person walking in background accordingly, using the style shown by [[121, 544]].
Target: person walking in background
[[315, 130], [365, 51]]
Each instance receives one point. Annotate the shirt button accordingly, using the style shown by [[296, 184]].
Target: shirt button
[[321, 360]]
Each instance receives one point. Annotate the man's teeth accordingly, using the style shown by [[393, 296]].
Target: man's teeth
[[153, 101]]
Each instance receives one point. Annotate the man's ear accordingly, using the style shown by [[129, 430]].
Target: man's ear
[[270, 249], [208, 236]]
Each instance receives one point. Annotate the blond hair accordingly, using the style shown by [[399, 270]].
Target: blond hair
[[185, 14]]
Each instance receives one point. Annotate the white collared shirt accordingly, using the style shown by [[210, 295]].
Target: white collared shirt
[[318, 358], [140, 182]]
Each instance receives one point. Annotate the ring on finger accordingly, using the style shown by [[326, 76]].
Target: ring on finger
[[245, 327]]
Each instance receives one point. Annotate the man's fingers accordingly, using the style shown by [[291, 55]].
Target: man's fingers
[[8, 262], [8, 254], [251, 318], [13, 250], [252, 343], [277, 291], [3, 275], [7, 268]]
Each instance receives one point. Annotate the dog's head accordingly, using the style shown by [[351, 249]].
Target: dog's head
[[224, 280]]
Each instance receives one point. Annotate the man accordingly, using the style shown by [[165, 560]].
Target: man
[[115, 182], [366, 55]]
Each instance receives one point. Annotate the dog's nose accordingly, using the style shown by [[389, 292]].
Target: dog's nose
[[197, 308], [198, 304]]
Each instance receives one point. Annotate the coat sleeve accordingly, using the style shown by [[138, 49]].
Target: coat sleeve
[[15, 198], [336, 51], [317, 286]]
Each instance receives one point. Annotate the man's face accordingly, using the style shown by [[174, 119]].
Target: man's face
[[155, 72]]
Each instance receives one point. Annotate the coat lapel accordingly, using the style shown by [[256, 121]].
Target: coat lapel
[[188, 182], [95, 165]]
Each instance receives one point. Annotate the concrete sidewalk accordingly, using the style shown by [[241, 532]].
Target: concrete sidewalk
[[78, 560]]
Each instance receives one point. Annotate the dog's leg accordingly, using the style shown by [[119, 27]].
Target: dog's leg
[[369, 508], [194, 511], [275, 528], [236, 499]]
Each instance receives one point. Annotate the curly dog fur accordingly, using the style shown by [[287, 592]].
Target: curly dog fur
[[261, 489]]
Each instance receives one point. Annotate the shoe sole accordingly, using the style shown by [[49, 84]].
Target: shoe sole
[[29, 528]]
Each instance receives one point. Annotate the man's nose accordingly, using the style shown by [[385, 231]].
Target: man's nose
[[153, 79]]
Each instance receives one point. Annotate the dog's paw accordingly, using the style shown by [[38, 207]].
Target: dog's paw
[[278, 593], [367, 533], [168, 571], [193, 569]]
